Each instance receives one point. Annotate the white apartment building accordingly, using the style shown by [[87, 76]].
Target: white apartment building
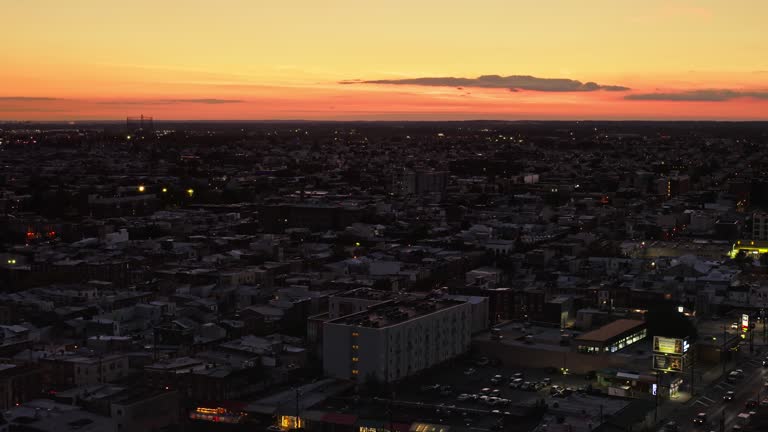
[[396, 339]]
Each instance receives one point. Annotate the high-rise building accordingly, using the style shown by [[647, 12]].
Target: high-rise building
[[139, 126], [410, 182], [396, 339], [760, 226]]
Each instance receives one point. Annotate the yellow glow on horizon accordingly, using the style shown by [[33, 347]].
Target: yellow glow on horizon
[[284, 59]]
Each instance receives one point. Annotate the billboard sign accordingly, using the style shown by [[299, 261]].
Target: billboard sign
[[674, 346], [667, 363], [744, 322]]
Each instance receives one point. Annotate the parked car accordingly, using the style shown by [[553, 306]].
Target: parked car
[[516, 383], [463, 397], [728, 396], [497, 379], [700, 418], [470, 371], [671, 427]]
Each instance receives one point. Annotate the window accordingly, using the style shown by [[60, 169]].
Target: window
[[355, 334], [355, 372], [354, 359]]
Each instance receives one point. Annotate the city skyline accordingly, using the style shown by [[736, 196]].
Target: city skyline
[[343, 60]]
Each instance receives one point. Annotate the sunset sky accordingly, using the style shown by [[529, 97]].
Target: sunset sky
[[387, 60]]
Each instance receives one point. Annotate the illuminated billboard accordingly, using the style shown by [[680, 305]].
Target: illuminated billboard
[[668, 363], [664, 345], [744, 322]]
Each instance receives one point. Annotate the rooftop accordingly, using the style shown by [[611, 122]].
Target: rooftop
[[395, 312], [611, 330]]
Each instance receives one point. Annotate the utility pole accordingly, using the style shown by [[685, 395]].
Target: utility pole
[[601, 413], [296, 423], [725, 339], [656, 411], [722, 421], [692, 355]]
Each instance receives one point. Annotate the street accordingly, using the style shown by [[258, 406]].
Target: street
[[710, 399]]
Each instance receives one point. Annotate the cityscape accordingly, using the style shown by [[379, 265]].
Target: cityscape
[[407, 217]]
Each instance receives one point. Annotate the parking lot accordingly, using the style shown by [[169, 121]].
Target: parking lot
[[474, 385]]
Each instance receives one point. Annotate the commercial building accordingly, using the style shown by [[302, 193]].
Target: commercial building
[[611, 337], [396, 339]]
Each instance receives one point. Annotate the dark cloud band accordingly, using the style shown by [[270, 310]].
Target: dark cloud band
[[512, 82], [711, 95]]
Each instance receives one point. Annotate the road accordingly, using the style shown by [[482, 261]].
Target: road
[[710, 400]]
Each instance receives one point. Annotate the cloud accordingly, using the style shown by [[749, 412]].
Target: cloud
[[512, 82], [27, 99], [708, 95], [173, 101]]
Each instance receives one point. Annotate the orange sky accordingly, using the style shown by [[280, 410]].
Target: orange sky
[[265, 59]]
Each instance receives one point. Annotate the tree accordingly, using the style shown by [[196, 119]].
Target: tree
[[665, 320]]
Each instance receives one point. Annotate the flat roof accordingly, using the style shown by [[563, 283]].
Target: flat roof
[[394, 312], [611, 330]]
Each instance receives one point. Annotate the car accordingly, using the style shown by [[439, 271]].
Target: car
[[485, 390], [739, 372], [734, 326], [765, 362], [547, 381], [526, 386], [751, 404], [470, 371], [495, 392], [516, 383], [462, 397], [538, 385], [764, 402], [555, 389], [700, 418], [431, 387], [559, 394], [497, 379], [728, 396], [671, 427], [517, 375]]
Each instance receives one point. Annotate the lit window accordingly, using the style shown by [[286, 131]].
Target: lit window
[[354, 347], [354, 359], [355, 371], [355, 334]]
